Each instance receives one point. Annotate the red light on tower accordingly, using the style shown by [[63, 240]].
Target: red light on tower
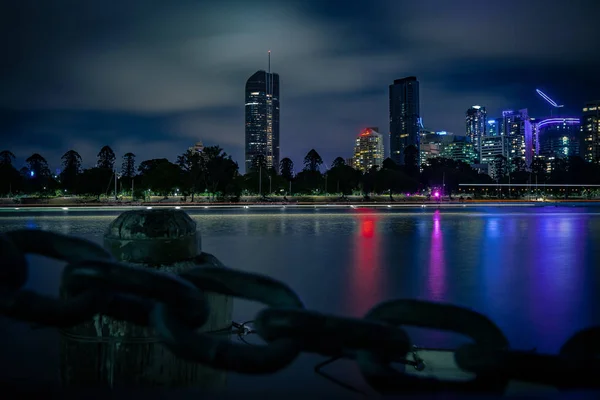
[[366, 132]]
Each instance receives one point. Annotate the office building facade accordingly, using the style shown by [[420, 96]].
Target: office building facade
[[405, 119], [262, 119], [368, 150], [476, 121], [590, 132]]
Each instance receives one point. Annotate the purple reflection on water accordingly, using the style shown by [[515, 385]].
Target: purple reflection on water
[[436, 279], [366, 288]]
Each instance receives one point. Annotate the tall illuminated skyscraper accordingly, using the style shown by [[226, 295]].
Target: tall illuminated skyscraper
[[590, 129], [262, 118], [368, 150], [405, 118], [518, 131], [476, 118]]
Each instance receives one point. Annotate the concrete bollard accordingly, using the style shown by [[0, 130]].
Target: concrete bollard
[[106, 352]]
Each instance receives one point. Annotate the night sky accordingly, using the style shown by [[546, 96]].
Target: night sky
[[153, 77]]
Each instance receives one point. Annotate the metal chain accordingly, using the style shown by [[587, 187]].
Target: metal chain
[[175, 306]]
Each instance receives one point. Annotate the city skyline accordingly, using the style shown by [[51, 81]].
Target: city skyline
[[152, 80]]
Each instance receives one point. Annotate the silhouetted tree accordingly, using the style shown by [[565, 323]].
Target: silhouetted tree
[[6, 157], [343, 178], [312, 161], [10, 179], [500, 166], [106, 158], [71, 162], [38, 165], [128, 166], [163, 178], [286, 169], [338, 162], [220, 172], [94, 181], [192, 164], [389, 164], [538, 169]]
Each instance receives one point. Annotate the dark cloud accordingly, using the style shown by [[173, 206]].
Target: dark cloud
[[153, 77]]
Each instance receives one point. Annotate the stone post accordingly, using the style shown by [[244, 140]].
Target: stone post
[[110, 353]]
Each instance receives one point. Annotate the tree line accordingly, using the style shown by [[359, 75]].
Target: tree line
[[214, 174]]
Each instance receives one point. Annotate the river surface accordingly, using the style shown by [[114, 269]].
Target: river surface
[[533, 271]]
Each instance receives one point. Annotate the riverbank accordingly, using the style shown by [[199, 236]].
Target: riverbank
[[329, 206]]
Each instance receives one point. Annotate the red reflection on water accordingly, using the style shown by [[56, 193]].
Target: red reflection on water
[[436, 280], [365, 275]]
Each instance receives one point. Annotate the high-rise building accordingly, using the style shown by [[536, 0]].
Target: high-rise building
[[405, 117], [559, 137], [432, 144], [590, 129], [517, 128], [492, 147], [492, 127], [476, 118], [262, 118], [368, 150], [460, 150]]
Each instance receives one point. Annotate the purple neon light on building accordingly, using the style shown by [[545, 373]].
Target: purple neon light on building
[[558, 121]]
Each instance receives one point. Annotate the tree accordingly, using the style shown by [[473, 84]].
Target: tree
[[163, 177], [338, 162], [286, 168], [518, 164], [192, 165], [343, 177], [500, 166], [71, 162], [389, 164], [6, 157], [312, 161], [94, 181], [411, 161], [538, 169], [106, 158], [393, 179], [10, 180], [220, 172], [128, 166], [38, 165]]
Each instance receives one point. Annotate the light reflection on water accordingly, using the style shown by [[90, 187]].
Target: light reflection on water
[[531, 271]]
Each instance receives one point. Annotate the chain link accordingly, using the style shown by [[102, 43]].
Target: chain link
[[176, 306]]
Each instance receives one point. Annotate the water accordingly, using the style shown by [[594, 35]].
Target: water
[[533, 271]]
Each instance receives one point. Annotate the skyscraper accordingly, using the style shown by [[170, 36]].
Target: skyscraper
[[492, 127], [368, 150], [262, 118], [559, 137], [590, 129], [518, 131], [405, 120], [476, 118]]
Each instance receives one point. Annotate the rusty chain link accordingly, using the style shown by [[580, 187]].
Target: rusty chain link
[[175, 306]]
